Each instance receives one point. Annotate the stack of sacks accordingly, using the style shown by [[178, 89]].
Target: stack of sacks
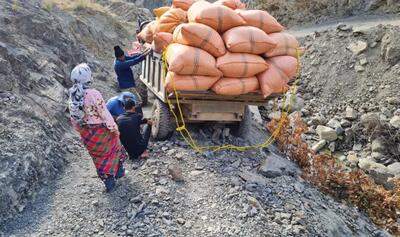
[[200, 36], [283, 64], [146, 35], [217, 16], [223, 47], [159, 32], [158, 12], [170, 20], [190, 68], [233, 4], [183, 4], [161, 41]]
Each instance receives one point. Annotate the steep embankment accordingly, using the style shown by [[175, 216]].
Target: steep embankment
[[301, 12], [39, 45], [349, 88]]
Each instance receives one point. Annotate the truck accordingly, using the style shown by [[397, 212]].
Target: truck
[[196, 106]]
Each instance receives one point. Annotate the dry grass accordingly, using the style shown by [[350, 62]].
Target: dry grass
[[72, 5], [382, 206]]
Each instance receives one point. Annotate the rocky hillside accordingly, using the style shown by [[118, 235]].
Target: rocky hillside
[[361, 102], [301, 12], [349, 96], [39, 45], [151, 4]]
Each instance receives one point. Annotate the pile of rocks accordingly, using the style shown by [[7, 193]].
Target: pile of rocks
[[369, 141], [348, 96], [342, 137]]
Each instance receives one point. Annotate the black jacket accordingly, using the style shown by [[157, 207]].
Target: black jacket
[[129, 128]]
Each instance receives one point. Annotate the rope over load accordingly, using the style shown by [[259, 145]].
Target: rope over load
[[186, 135]]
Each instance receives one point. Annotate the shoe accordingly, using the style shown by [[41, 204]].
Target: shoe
[[110, 184]]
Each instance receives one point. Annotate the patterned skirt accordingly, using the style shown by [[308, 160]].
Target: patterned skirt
[[105, 149]]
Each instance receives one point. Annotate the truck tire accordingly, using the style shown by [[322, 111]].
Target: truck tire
[[243, 128], [142, 90], [162, 129]]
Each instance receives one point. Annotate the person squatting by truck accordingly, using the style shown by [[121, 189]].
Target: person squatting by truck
[[129, 125], [116, 104]]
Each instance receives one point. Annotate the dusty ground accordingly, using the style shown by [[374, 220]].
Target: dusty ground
[[221, 194]]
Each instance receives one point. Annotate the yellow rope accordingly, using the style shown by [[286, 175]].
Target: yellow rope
[[186, 135]]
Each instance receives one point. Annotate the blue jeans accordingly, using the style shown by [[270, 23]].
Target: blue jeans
[[121, 170], [111, 181]]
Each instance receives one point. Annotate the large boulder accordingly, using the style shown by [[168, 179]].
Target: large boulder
[[390, 50], [326, 133], [318, 146], [358, 47], [378, 146], [274, 166], [351, 114], [378, 172], [395, 169], [334, 123], [395, 121]]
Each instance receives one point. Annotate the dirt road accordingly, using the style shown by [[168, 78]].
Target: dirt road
[[222, 194], [358, 23]]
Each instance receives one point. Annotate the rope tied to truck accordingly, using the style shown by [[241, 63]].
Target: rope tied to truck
[[188, 138]]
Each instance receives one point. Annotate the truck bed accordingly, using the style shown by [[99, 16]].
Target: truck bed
[[153, 77]]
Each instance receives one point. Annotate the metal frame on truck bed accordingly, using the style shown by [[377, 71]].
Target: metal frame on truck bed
[[196, 106]]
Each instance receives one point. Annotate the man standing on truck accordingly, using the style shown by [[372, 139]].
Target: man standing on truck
[[134, 141], [122, 67]]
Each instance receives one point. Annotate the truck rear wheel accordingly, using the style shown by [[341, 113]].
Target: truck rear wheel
[[162, 129], [243, 128]]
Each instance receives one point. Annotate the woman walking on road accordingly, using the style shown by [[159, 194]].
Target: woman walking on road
[[96, 126]]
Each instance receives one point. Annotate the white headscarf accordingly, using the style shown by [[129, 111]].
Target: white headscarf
[[81, 76]]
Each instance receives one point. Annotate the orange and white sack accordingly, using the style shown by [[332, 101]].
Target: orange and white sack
[[183, 4], [287, 45], [281, 70], [158, 12], [200, 36], [161, 41], [219, 17], [188, 82], [262, 20], [187, 60], [170, 20], [146, 35], [236, 86], [240, 65], [232, 4], [248, 39]]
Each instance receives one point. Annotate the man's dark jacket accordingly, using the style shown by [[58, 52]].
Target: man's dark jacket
[[129, 128]]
